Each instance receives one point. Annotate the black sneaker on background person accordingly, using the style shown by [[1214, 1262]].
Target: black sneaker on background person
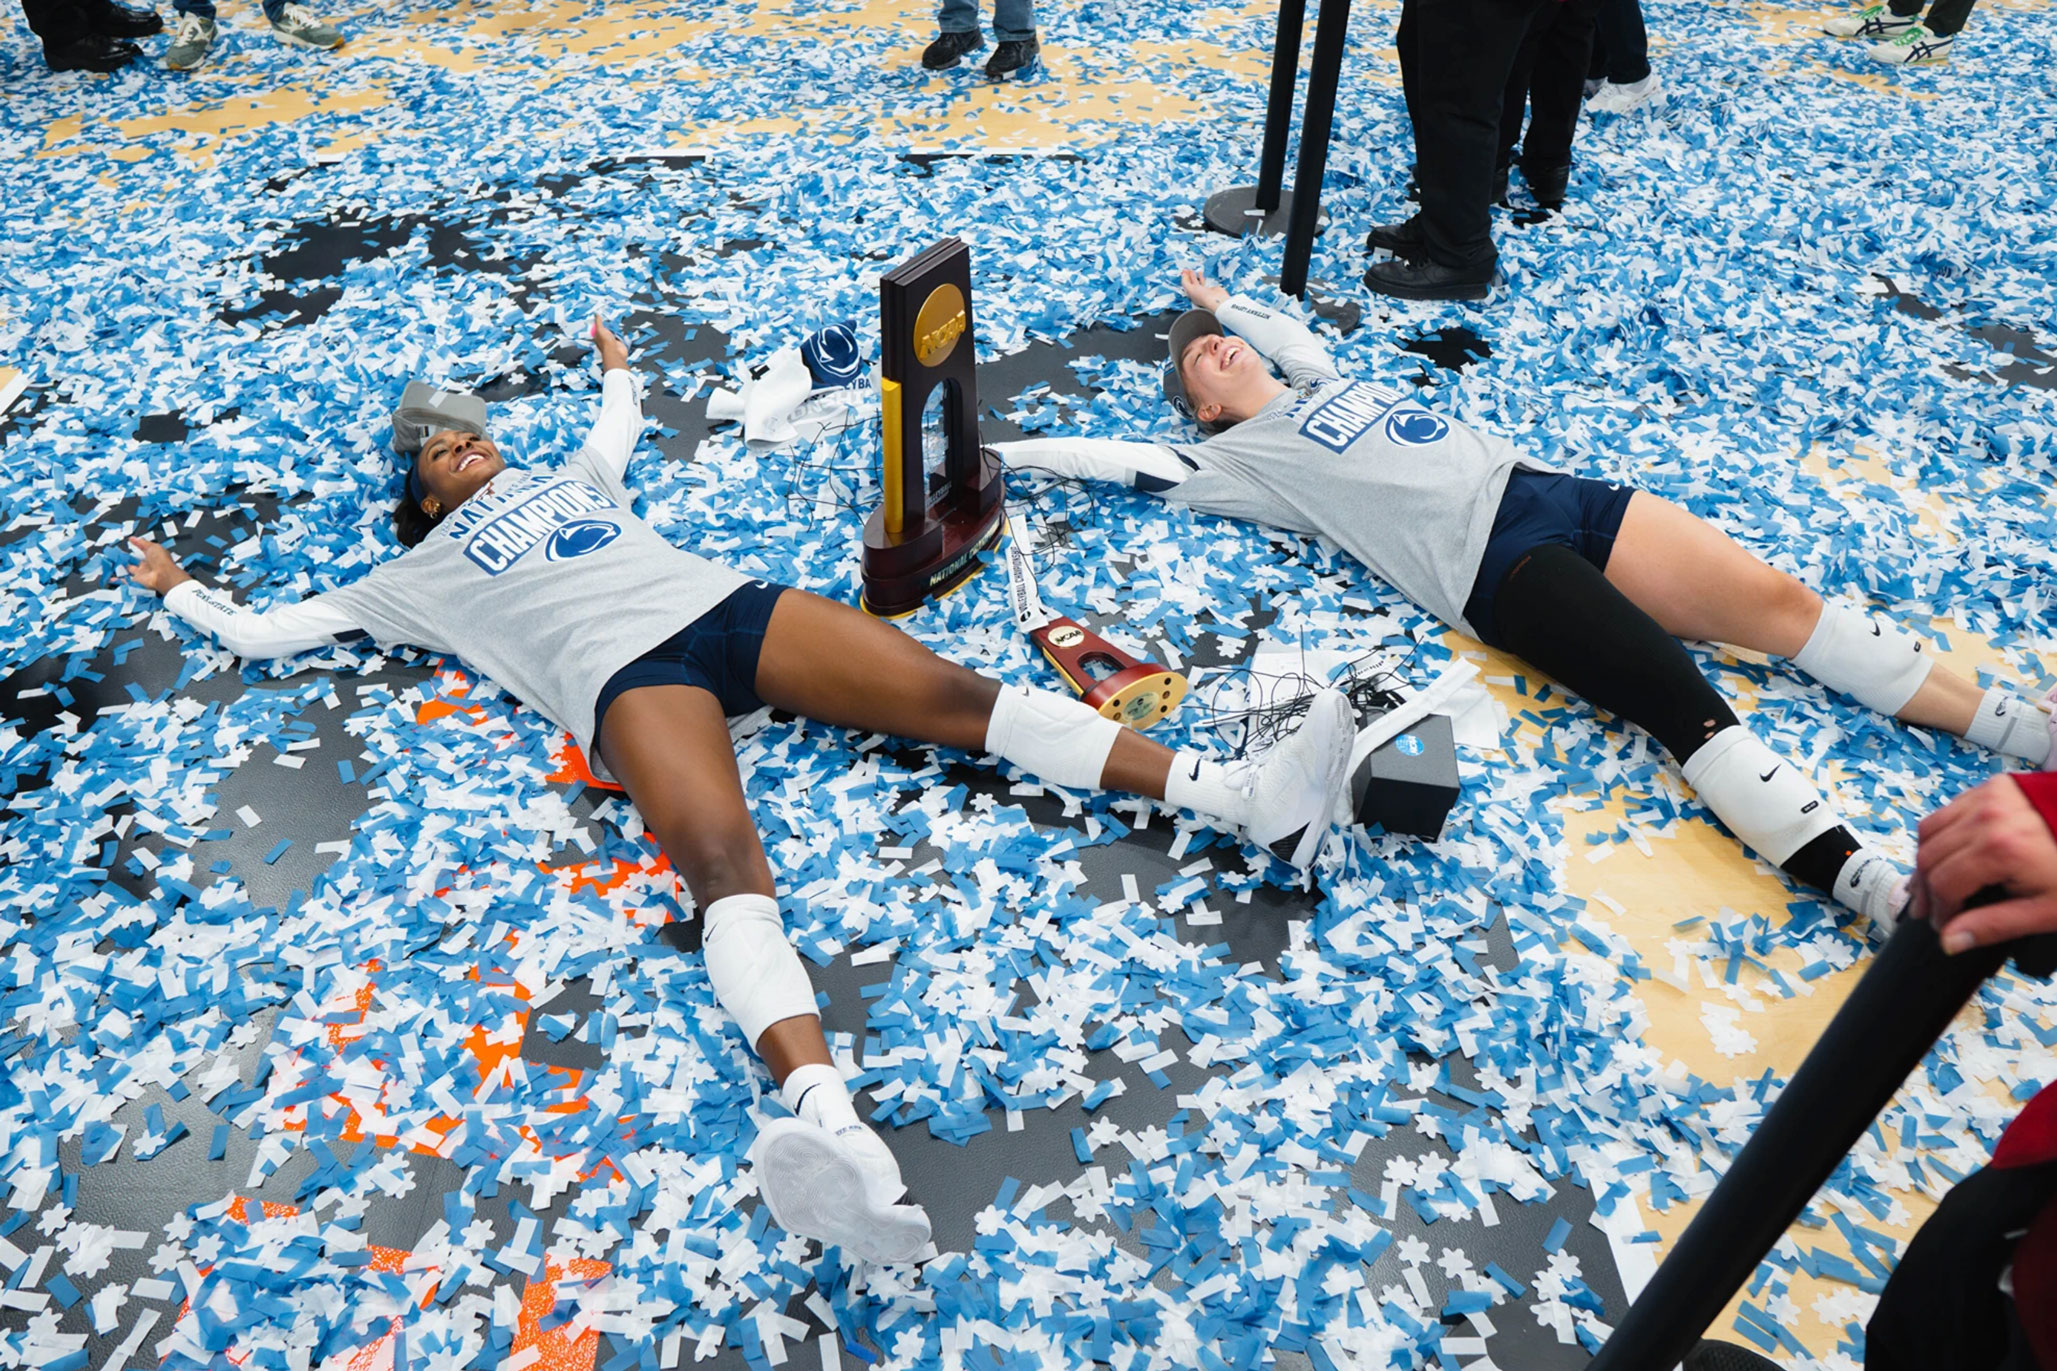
[[1016, 57], [1417, 278], [1403, 237], [113, 20], [948, 47], [94, 52], [1546, 185]]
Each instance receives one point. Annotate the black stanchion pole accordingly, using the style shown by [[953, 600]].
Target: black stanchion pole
[[1894, 1015], [1330, 31], [1278, 113], [1256, 209]]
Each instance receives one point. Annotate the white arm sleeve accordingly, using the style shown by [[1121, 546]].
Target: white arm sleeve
[[1148, 467], [613, 439], [1286, 341], [279, 632]]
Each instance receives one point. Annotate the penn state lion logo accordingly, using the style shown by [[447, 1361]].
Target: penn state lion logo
[[1411, 427], [576, 540]]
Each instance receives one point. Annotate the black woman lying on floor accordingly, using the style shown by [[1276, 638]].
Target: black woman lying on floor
[[1587, 581], [546, 582]]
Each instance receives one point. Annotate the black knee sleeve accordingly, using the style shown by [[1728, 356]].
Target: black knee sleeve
[[1557, 611]]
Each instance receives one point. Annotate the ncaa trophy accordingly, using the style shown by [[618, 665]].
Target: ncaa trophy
[[1120, 687], [925, 538]]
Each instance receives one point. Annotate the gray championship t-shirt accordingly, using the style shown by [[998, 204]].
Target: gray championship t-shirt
[[545, 581], [1404, 490]]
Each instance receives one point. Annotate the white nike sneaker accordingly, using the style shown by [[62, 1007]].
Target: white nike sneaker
[[828, 1187], [882, 1183], [1298, 785]]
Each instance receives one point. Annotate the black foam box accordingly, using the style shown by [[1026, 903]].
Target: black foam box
[[1409, 782]]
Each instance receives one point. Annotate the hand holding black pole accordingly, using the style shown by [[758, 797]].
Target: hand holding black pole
[[1895, 1013]]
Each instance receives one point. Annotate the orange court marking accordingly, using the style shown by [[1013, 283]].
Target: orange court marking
[[555, 1351]]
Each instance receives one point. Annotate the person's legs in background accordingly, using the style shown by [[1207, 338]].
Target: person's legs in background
[[192, 34], [1017, 53], [1014, 20], [1622, 46], [1514, 99], [1462, 54], [85, 36], [1555, 90], [1404, 236], [1626, 44], [957, 25], [1404, 42], [296, 26], [1918, 40]]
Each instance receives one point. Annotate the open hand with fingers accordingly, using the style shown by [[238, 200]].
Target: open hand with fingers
[[1990, 835], [157, 571], [614, 354], [1202, 292]]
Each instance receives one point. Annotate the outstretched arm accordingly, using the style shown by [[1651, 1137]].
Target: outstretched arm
[[279, 632], [1287, 342], [1149, 467], [613, 439]]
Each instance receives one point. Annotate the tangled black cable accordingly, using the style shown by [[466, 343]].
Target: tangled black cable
[[839, 475], [1270, 705]]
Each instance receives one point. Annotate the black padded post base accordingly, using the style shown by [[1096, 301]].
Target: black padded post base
[[1234, 212]]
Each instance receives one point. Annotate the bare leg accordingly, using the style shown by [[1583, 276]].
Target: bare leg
[[1700, 583], [830, 662], [669, 746]]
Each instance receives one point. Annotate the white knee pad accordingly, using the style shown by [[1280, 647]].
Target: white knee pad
[[1880, 666], [1057, 738], [1762, 798], [757, 976]]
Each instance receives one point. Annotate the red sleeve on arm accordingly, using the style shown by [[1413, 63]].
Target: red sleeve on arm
[[2041, 789]]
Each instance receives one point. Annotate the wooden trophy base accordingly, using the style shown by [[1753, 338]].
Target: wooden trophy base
[[1121, 688], [902, 574]]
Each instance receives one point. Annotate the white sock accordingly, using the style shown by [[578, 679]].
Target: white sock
[[1209, 786], [817, 1094], [2011, 725]]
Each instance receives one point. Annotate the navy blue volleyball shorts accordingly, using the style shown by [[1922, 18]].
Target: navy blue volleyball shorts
[[1544, 507], [717, 652]]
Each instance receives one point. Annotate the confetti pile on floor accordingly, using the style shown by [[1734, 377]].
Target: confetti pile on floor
[[386, 1062]]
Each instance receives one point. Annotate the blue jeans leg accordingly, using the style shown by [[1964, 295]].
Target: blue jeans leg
[[958, 16], [273, 9], [1014, 19], [203, 8]]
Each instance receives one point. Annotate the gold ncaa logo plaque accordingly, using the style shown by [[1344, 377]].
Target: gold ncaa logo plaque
[[939, 325]]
